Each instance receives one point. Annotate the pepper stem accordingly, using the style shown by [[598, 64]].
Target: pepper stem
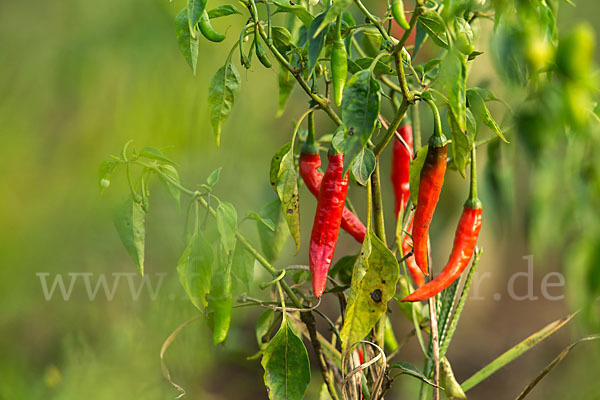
[[338, 27], [437, 139], [473, 201], [309, 147]]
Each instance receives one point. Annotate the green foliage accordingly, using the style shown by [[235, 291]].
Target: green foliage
[[130, 218], [286, 365], [224, 88]]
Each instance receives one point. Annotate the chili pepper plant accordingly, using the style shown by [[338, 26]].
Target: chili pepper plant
[[376, 75]]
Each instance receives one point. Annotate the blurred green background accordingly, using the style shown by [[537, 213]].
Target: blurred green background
[[78, 79]]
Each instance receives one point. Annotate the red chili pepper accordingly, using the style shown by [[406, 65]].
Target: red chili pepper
[[432, 180], [401, 157], [465, 240], [413, 269], [462, 251], [328, 219], [310, 162]]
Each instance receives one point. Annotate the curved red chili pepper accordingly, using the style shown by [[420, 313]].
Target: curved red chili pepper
[[328, 219], [462, 251], [432, 180], [401, 157], [413, 269], [309, 171]]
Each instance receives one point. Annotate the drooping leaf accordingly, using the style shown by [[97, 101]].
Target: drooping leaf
[[337, 8], [360, 108], [223, 11], [373, 284], [195, 9], [227, 225], [188, 45], [220, 298], [414, 173], [477, 104], [420, 38], [259, 218], [315, 41], [276, 164], [453, 80], [449, 382], [155, 154], [172, 176], [363, 166], [263, 326], [272, 242], [242, 269], [286, 85], [222, 91], [462, 142], [129, 219], [287, 190], [286, 365], [195, 269], [435, 27], [295, 8]]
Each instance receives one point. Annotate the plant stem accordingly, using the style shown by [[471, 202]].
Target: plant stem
[[377, 203], [435, 347], [309, 320], [374, 20], [416, 125], [392, 128]]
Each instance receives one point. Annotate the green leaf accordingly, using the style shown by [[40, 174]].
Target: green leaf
[[514, 352], [374, 282], [414, 173], [360, 108], [477, 104], [242, 269], [342, 269], [266, 222], [297, 9], [188, 45], [286, 85], [227, 225], [276, 164], [105, 172], [336, 9], [220, 298], [453, 80], [213, 178], [223, 11], [316, 41], [195, 9], [462, 143], [155, 154], [272, 242], [381, 68], [282, 38], [287, 190], [448, 381], [173, 176], [129, 219], [435, 27], [420, 38], [222, 91], [409, 369], [195, 269], [363, 166], [263, 326], [286, 365]]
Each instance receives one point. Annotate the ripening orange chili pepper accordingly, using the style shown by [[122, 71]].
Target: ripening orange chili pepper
[[430, 187]]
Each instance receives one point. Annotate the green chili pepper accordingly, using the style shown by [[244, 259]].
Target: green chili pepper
[[262, 54], [339, 65], [207, 29], [398, 13]]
